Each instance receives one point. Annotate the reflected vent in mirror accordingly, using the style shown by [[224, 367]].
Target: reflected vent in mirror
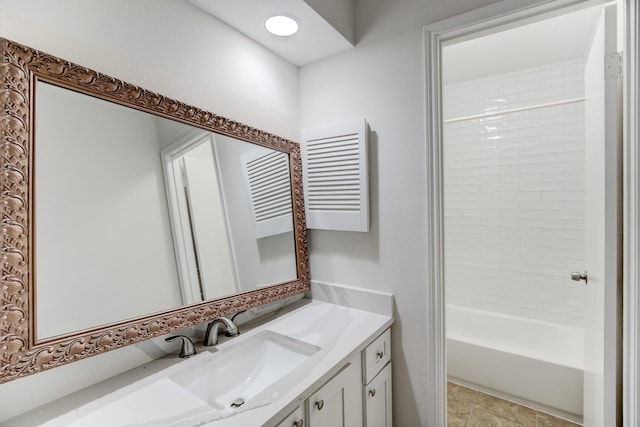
[[336, 190], [270, 191]]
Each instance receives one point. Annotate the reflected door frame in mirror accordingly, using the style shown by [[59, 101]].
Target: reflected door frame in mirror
[[21, 353], [181, 213]]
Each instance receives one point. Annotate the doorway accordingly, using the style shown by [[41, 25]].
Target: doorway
[[515, 216]]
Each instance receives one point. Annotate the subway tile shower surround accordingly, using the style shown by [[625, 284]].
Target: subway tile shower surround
[[514, 192]]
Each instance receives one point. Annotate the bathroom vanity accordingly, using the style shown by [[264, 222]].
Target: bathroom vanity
[[315, 364]]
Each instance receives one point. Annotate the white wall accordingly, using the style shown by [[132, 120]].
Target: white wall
[[382, 80], [165, 46], [514, 192]]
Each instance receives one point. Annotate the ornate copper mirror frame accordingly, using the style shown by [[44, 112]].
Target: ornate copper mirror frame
[[20, 353]]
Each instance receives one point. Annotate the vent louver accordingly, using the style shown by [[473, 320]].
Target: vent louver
[[270, 192], [336, 187]]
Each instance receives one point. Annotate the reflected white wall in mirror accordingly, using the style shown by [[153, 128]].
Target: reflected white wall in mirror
[[102, 230]]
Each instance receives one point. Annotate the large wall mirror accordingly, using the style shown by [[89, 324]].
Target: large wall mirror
[[128, 215]]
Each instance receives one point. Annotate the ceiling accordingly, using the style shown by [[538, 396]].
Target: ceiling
[[326, 26], [542, 42]]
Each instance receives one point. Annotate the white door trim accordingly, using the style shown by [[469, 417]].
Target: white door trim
[[504, 13], [631, 239]]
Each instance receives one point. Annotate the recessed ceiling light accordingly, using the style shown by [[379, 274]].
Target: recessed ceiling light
[[281, 25]]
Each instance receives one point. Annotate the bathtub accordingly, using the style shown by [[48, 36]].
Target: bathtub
[[531, 362]]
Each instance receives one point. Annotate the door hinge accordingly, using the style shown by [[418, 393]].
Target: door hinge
[[613, 65]]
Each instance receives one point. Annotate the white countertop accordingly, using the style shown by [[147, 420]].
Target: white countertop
[[339, 331]]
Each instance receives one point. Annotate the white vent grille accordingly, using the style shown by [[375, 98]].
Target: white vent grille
[[336, 191], [333, 173], [269, 191]]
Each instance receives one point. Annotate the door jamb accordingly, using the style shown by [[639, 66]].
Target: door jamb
[[471, 23]]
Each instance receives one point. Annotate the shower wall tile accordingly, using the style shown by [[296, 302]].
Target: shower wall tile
[[514, 193], [543, 84], [539, 75]]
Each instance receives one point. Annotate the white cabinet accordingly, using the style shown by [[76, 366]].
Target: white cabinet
[[338, 403], [377, 395], [376, 377], [294, 419], [358, 395]]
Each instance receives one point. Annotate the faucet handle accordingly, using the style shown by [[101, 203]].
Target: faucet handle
[[232, 328], [187, 349]]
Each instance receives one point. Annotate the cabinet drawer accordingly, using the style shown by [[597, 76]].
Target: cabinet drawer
[[376, 355]]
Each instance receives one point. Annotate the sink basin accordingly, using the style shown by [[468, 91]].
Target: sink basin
[[247, 374], [255, 370]]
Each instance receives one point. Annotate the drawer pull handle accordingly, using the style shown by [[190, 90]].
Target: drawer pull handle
[[320, 405], [299, 423], [372, 392], [380, 354]]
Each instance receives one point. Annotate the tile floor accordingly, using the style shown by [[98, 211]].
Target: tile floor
[[471, 408]]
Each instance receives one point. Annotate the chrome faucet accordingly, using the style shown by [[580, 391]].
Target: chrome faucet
[[211, 335]]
